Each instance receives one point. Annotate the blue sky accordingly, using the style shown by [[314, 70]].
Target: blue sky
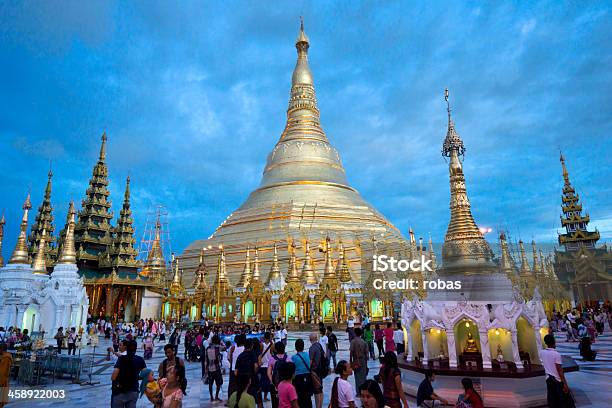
[[193, 98]]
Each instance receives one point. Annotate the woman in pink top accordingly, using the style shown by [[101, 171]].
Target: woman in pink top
[[389, 343], [287, 395]]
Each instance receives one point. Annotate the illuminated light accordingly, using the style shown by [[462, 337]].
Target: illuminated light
[[438, 331], [467, 324], [220, 246], [496, 332]]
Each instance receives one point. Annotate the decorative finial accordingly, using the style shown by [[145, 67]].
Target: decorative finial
[[103, 147], [452, 142], [565, 173]]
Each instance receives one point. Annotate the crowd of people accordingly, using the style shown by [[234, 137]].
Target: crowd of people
[[256, 362]]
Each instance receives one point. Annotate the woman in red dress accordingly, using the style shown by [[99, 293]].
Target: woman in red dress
[[389, 343]]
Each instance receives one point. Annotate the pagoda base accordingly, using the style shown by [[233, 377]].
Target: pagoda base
[[521, 388]]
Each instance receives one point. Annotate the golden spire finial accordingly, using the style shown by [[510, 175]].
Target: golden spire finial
[[256, 276], [328, 272], [68, 252], [39, 265], [275, 273], [507, 264], [308, 272], [536, 263], [452, 142], [293, 274], [20, 254], [565, 173], [342, 268], [525, 269], [245, 277], [301, 72], [48, 188]]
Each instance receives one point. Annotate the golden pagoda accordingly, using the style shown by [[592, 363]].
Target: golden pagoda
[[303, 197], [527, 279], [155, 264]]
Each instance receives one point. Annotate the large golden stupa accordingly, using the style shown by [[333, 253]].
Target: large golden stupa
[[303, 198]]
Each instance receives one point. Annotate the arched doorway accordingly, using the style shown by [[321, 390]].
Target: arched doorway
[[193, 313], [327, 309], [377, 308], [166, 310], [29, 319], [467, 342], [526, 337], [437, 344], [500, 344], [289, 310], [248, 310], [416, 338]]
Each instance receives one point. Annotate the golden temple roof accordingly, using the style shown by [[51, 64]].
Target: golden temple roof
[[20, 254], [68, 251]]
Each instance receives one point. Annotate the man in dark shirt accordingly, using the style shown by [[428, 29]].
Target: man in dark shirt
[[426, 391], [247, 365], [358, 352], [125, 378], [332, 345]]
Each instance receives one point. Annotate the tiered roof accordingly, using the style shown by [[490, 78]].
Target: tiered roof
[[43, 222]]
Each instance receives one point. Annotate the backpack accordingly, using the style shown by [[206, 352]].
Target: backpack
[[278, 362], [323, 368]]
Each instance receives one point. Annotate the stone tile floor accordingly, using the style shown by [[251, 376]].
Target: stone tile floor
[[591, 385]]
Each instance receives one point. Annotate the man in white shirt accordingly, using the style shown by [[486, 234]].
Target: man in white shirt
[[323, 339], [284, 335], [556, 385]]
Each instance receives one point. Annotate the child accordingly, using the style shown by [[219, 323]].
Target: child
[[150, 387], [287, 395]]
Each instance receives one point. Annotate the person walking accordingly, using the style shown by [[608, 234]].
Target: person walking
[[234, 353], [398, 339], [368, 336], [557, 391], [241, 398], [332, 345], [211, 367], [6, 361], [175, 340], [342, 393], [379, 338], [125, 378], [247, 364], [303, 379], [316, 354], [391, 379], [278, 359], [389, 340], [264, 357], [359, 358]]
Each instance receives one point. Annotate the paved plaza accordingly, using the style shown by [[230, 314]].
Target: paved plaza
[[591, 385]]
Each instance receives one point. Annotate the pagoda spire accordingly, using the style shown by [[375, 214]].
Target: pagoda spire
[[121, 253], [246, 276], [342, 268], [463, 239], [507, 264], [68, 252], [201, 272], [308, 272], [525, 269], [43, 220], [93, 233], [155, 264], [275, 273], [432, 254], [293, 274], [576, 225], [256, 276], [39, 266], [328, 271], [536, 263], [303, 118], [2, 223], [20, 254]]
